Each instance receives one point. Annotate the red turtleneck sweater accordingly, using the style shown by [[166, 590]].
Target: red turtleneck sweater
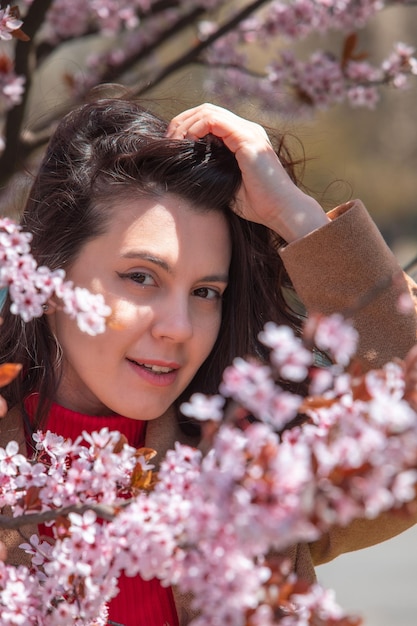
[[139, 602]]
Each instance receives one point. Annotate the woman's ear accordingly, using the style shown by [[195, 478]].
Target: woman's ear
[[49, 307]]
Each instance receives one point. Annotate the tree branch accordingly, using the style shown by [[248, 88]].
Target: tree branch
[[181, 24], [192, 55], [12, 155], [103, 511]]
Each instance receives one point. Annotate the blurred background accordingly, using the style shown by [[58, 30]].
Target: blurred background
[[379, 583]]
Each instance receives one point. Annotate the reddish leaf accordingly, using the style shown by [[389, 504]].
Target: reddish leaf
[[349, 46], [8, 372], [316, 402], [31, 500], [142, 480], [6, 64], [19, 34], [62, 525], [348, 52]]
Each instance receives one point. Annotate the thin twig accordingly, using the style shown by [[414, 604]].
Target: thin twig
[[103, 511]]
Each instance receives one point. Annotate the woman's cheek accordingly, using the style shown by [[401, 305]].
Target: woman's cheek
[[126, 315], [212, 333]]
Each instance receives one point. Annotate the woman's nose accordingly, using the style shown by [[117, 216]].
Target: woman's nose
[[173, 321]]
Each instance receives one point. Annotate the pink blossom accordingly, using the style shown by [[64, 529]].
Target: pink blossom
[[362, 96], [11, 86], [204, 408], [250, 384], [84, 525], [288, 353], [10, 459], [8, 23], [333, 334]]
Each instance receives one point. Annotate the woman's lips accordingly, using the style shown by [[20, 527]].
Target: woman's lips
[[158, 373]]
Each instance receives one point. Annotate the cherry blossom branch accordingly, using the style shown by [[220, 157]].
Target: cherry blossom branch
[[30, 287]]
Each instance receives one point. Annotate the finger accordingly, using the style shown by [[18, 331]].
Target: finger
[[199, 122], [177, 127], [235, 132], [193, 112], [210, 117]]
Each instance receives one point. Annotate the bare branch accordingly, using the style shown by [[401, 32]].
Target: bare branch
[[103, 511]]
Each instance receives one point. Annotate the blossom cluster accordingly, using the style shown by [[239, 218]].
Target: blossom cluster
[[321, 81], [8, 23], [30, 286], [213, 518], [72, 19]]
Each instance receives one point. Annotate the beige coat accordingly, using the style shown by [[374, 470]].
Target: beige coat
[[345, 266]]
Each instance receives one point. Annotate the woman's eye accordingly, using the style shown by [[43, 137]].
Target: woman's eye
[[207, 293], [141, 278]]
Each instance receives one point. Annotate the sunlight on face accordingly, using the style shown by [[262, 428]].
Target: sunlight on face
[[162, 267]]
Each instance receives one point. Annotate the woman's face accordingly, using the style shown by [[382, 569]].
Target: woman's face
[[162, 268]]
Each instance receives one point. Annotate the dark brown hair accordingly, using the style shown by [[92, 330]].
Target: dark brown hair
[[115, 148]]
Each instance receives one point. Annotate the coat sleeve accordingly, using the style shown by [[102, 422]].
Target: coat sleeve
[[346, 267]]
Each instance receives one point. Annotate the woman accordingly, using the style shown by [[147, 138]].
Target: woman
[[189, 230]]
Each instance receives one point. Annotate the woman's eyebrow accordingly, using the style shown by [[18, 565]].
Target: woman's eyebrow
[[215, 278], [147, 256]]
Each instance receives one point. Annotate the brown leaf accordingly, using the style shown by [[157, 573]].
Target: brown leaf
[[316, 402], [118, 447], [19, 34], [8, 372], [349, 46], [360, 390], [147, 453], [31, 500], [62, 525], [140, 480], [6, 64], [348, 52]]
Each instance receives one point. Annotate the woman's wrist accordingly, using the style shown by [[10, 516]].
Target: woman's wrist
[[298, 217]]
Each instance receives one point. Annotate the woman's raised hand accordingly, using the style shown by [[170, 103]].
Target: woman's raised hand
[[267, 194]]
